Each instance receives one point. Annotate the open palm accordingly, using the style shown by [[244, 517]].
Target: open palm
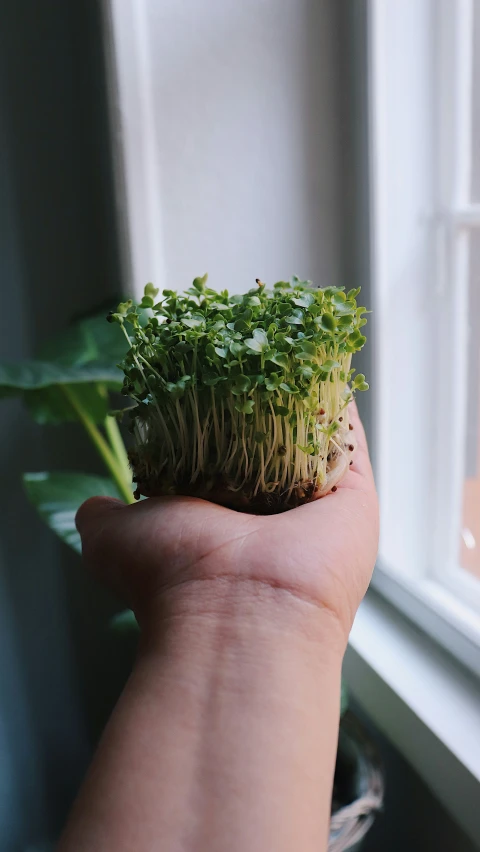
[[323, 552]]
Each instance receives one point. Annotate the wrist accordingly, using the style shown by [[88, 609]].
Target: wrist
[[241, 681], [261, 616]]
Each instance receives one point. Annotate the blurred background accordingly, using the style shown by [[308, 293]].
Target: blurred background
[[153, 140]]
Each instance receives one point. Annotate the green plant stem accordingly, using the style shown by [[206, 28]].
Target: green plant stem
[[102, 446], [114, 435], [116, 442]]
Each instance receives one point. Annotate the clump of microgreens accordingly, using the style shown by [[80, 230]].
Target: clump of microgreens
[[244, 395]]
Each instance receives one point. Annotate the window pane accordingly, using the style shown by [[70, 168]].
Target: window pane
[[476, 105], [470, 532]]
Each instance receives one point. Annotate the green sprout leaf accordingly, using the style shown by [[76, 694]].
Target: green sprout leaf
[[279, 358], [245, 407], [329, 365], [304, 301], [259, 341], [289, 388], [200, 283], [296, 317], [359, 383], [237, 348], [283, 343], [309, 450], [328, 322], [306, 350], [273, 382], [151, 291], [242, 385], [195, 321]]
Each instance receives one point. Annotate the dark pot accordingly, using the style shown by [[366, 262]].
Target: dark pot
[[357, 788]]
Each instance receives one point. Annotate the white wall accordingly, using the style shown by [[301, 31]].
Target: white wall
[[230, 120]]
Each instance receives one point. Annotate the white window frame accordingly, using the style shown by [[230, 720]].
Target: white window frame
[[426, 234], [460, 217]]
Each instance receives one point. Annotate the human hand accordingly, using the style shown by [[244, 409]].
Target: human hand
[[322, 552]]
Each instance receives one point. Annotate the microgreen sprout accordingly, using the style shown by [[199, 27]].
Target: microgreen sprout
[[242, 399]]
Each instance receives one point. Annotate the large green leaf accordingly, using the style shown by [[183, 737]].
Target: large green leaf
[[124, 622], [84, 356], [42, 383], [58, 495], [50, 405], [34, 375], [91, 339]]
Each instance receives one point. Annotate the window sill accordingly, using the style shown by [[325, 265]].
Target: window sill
[[423, 700]]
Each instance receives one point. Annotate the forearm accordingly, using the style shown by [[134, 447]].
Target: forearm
[[225, 736]]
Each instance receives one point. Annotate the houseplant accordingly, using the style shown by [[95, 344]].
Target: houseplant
[[264, 379]]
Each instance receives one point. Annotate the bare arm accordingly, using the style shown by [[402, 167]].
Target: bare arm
[[225, 736]]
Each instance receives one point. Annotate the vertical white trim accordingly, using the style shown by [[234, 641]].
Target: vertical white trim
[[401, 139], [455, 133], [139, 142], [456, 406], [462, 107], [421, 209], [379, 262]]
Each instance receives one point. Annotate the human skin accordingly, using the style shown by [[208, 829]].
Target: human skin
[[225, 735]]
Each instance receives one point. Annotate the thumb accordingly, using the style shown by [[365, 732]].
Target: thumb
[[93, 512]]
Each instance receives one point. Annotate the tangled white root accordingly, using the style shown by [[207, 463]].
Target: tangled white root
[[343, 450]]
